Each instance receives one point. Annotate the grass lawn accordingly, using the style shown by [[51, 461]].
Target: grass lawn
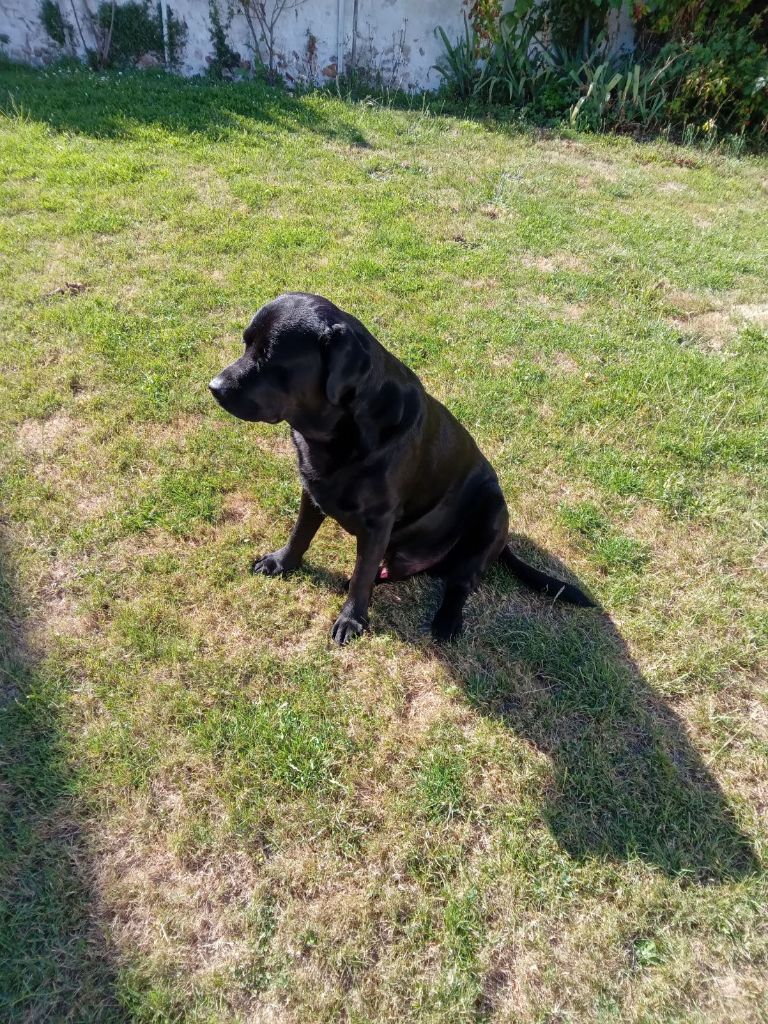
[[210, 812]]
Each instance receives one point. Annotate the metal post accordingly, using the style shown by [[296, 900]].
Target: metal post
[[166, 40], [340, 40], [354, 36]]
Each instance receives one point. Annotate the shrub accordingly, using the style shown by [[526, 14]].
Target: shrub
[[458, 65], [484, 16], [53, 21], [224, 57], [138, 29], [712, 80], [723, 84], [515, 66], [624, 94], [723, 74]]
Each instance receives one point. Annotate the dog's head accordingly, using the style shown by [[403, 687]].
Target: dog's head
[[303, 358]]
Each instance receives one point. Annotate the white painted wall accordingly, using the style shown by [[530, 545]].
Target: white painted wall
[[27, 40], [395, 38]]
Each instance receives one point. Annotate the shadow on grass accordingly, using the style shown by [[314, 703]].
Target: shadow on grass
[[113, 106], [627, 781], [54, 962], [70, 98]]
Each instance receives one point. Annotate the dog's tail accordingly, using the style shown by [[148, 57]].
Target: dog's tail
[[542, 581]]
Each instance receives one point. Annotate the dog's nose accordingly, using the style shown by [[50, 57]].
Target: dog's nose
[[216, 387]]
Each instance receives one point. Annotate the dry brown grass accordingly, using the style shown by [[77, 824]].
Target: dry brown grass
[[712, 324], [552, 264], [46, 438]]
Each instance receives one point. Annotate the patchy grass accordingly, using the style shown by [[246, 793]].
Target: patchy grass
[[209, 812]]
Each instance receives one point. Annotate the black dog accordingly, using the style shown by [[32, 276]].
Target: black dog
[[378, 454]]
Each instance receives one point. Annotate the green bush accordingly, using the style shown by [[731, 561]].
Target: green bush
[[704, 67], [723, 84], [459, 64], [53, 21], [138, 29], [224, 57], [625, 94], [515, 67]]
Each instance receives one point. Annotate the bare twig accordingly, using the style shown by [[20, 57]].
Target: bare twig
[[107, 44], [267, 17], [79, 27], [246, 8]]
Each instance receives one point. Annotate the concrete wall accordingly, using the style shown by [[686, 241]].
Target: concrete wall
[[394, 39], [26, 38]]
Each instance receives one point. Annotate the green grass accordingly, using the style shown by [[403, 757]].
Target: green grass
[[210, 813]]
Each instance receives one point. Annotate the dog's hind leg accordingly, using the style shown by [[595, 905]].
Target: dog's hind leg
[[479, 546], [449, 619]]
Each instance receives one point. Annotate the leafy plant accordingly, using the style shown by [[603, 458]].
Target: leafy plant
[[122, 32], [484, 16], [459, 64], [723, 70], [224, 57], [53, 22], [105, 23], [516, 65], [572, 23], [723, 84], [134, 30], [600, 81], [634, 94], [710, 84]]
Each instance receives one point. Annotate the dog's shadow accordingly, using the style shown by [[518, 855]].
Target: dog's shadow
[[627, 780]]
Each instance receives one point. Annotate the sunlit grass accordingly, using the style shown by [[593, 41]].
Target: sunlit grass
[[213, 814]]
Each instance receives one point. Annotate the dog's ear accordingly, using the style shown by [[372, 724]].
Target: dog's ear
[[347, 361]]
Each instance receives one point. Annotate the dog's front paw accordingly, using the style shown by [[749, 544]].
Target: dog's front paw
[[348, 626], [277, 563]]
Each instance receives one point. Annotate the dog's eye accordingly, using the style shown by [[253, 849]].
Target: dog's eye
[[261, 358], [257, 359]]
